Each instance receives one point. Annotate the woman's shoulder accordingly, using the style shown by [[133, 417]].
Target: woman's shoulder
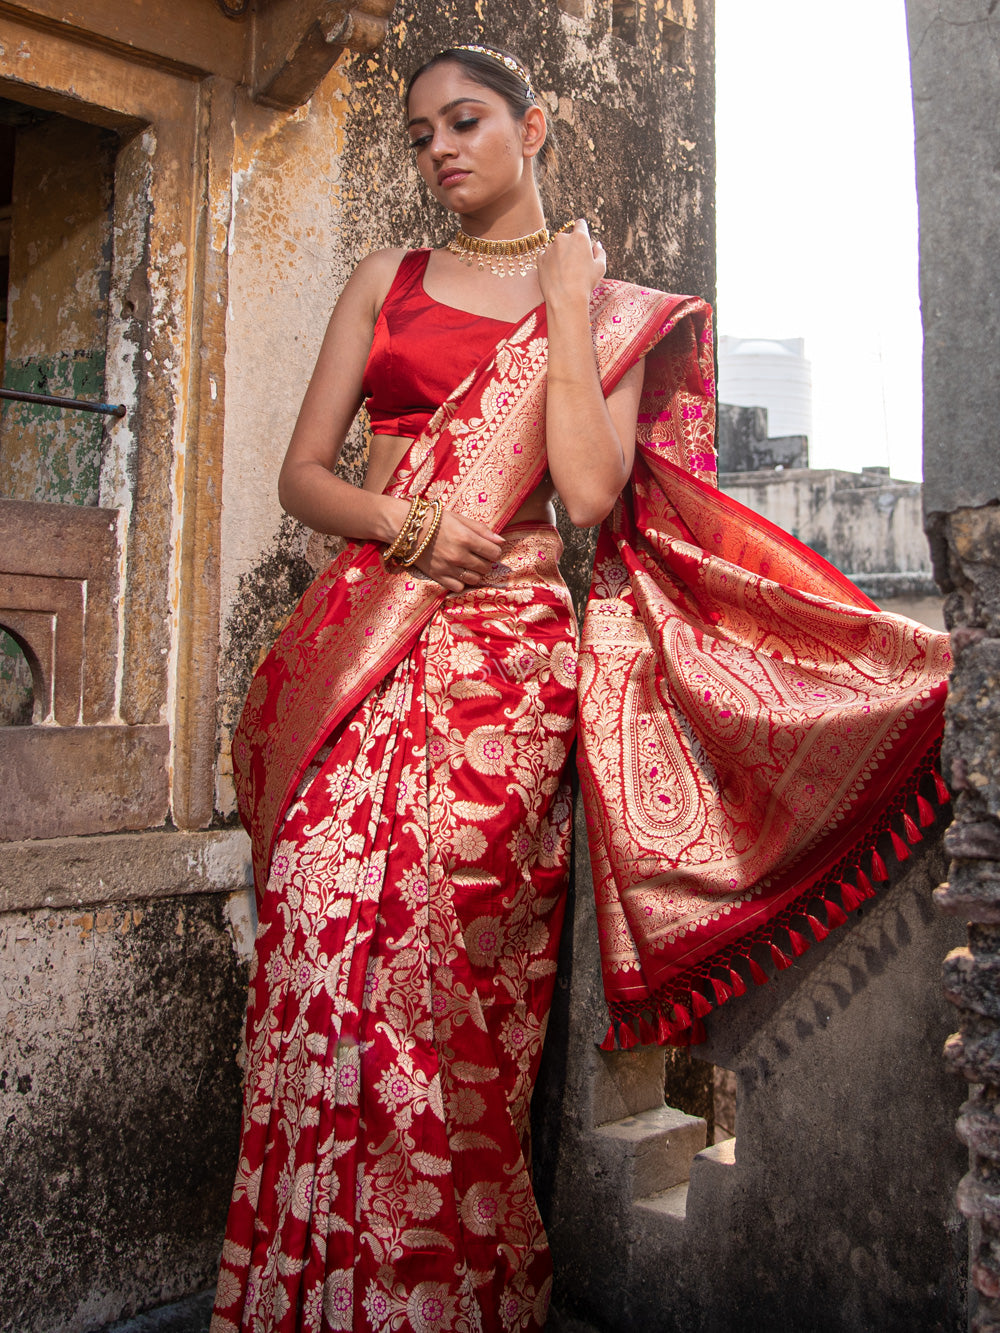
[[375, 274]]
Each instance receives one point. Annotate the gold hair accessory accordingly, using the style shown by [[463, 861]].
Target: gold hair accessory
[[503, 258], [508, 62]]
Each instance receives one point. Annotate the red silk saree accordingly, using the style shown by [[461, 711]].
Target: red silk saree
[[749, 724], [400, 764]]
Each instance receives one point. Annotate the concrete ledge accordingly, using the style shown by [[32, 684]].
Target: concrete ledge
[[625, 1083], [720, 1157], [670, 1203], [714, 1184], [652, 1151], [78, 872], [662, 1216], [192, 1315]]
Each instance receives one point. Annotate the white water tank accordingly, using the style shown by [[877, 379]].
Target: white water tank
[[771, 373]]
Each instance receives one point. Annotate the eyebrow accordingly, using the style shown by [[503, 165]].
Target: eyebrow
[[449, 106]]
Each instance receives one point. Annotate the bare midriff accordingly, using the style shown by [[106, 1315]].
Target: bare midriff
[[387, 450]]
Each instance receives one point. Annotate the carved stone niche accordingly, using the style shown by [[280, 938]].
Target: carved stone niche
[[75, 767]]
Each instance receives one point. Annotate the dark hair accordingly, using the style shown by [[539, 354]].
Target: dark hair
[[491, 73]]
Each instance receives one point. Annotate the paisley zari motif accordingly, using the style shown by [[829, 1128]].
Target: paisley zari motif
[[751, 725], [749, 722]]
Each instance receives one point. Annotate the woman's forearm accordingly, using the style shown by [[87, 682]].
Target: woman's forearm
[[326, 503], [587, 461]]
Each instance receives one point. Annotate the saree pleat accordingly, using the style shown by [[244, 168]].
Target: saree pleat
[[401, 984]]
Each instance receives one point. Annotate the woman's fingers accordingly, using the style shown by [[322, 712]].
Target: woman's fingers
[[572, 260], [462, 553], [493, 540]]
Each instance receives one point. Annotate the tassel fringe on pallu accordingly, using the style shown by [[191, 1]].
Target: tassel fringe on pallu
[[674, 1015]]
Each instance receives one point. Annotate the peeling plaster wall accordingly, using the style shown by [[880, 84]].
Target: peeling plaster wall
[[286, 264], [631, 103]]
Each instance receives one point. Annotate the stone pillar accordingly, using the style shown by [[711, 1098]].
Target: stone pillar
[[970, 570], [956, 95]]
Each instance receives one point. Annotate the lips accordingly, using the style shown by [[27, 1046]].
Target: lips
[[451, 176]]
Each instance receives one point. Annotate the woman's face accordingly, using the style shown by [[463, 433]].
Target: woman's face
[[468, 147]]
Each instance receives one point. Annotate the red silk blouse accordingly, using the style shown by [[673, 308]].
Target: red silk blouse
[[421, 350]]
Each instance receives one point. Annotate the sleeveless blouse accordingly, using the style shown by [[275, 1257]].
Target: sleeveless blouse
[[421, 350]]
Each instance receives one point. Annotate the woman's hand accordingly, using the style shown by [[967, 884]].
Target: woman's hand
[[571, 266], [462, 553]]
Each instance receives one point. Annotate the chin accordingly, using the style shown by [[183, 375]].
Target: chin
[[446, 199]]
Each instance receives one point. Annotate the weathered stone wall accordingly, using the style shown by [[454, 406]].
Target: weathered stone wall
[[955, 52], [119, 1095], [744, 445], [631, 109], [866, 523], [863, 522]]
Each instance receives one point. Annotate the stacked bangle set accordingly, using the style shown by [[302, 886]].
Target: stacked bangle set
[[409, 546]]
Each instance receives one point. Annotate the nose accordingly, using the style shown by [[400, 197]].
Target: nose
[[442, 145]]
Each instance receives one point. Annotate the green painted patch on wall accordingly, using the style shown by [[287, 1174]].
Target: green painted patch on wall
[[50, 453]]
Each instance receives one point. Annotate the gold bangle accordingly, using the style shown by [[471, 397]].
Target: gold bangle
[[438, 509], [397, 541], [404, 537], [405, 555]]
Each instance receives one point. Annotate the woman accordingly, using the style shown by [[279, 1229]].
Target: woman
[[403, 975], [400, 758]]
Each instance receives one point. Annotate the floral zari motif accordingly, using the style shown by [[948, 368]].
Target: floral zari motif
[[403, 972]]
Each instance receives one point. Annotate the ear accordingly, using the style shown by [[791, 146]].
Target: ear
[[533, 130]]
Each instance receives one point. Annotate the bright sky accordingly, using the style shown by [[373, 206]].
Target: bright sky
[[817, 213]]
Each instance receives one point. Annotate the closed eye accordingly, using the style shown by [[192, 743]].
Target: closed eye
[[463, 126]]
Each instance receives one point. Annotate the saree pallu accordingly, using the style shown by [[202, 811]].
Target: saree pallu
[[754, 731], [401, 983]]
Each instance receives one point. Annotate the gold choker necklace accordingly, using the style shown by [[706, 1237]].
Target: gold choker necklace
[[504, 258]]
